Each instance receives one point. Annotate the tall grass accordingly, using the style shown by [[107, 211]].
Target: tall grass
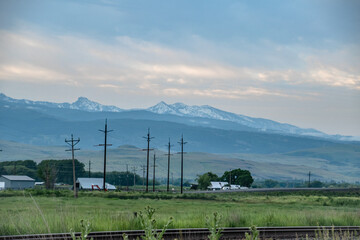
[[25, 214]]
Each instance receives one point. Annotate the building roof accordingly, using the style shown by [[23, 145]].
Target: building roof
[[17, 178], [217, 184], [88, 183]]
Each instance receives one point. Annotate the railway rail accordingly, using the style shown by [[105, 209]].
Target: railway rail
[[202, 233]]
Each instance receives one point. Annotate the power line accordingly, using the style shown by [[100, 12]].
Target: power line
[[230, 179], [143, 169], [72, 143], [168, 172], [148, 138], [182, 143], [127, 182], [134, 170], [105, 145], [154, 166]]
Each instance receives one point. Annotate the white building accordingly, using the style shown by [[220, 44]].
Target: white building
[[93, 184], [16, 182], [217, 185]]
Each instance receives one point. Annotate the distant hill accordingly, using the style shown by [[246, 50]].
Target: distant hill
[[262, 166]]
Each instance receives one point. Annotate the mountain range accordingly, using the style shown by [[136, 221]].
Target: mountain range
[[204, 112], [217, 140]]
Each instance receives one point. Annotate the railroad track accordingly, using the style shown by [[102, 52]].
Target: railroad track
[[202, 233]]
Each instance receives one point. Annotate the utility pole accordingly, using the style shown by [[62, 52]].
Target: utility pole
[[182, 143], [143, 178], [148, 138], [309, 179], [154, 166], [127, 182], [72, 143], [89, 168], [106, 131], [168, 172], [134, 170], [230, 179]]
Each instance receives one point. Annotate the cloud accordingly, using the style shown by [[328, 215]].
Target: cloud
[[28, 72], [238, 94], [112, 86], [128, 64]]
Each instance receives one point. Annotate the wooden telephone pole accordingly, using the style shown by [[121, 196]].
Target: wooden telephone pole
[[106, 131], [72, 143], [168, 172], [182, 143], [148, 139]]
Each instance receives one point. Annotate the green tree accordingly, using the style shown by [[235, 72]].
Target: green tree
[[47, 171], [316, 184], [21, 167], [205, 179], [63, 170], [238, 177], [269, 183]]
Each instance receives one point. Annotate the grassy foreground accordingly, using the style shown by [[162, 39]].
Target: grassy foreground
[[25, 212]]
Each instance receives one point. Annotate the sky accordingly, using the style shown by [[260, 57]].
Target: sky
[[295, 62]]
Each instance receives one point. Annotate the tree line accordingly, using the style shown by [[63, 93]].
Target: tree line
[[60, 171], [270, 183], [235, 177]]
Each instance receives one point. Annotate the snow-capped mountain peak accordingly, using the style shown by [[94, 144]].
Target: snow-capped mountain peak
[[209, 112], [82, 103], [182, 109], [84, 100], [162, 108]]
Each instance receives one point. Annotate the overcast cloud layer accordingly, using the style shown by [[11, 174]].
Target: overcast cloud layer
[[291, 61]]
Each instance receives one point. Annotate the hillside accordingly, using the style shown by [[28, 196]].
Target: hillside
[[33, 127], [262, 166]]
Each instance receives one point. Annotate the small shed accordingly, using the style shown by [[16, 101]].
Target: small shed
[[17, 182], [217, 185], [93, 184]]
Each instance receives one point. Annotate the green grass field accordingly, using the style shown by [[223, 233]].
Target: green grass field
[[57, 211]]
